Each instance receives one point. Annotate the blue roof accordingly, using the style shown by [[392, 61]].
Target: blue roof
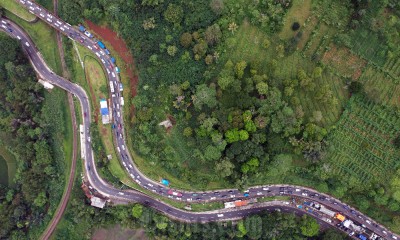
[[104, 111], [362, 237]]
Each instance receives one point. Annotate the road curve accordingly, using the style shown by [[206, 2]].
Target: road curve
[[129, 195]]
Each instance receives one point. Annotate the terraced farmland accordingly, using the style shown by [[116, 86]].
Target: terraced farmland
[[362, 143]]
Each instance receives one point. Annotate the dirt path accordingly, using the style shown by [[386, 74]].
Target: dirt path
[[64, 200]]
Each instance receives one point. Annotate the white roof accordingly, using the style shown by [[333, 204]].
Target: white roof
[[97, 202], [103, 103]]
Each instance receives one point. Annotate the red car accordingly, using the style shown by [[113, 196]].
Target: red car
[[96, 47], [171, 192]]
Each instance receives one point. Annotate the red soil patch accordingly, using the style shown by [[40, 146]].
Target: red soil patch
[[119, 45]]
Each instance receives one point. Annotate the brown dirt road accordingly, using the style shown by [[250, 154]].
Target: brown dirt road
[[64, 200]]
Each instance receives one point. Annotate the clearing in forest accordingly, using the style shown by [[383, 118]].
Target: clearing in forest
[[346, 63], [299, 12]]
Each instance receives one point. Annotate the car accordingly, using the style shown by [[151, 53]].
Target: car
[[58, 25], [198, 199], [118, 114], [117, 105], [81, 40], [119, 150], [97, 54], [19, 38], [297, 190], [328, 220], [204, 194], [233, 195], [259, 193], [49, 20], [132, 175], [351, 234], [102, 60], [90, 47], [368, 221], [96, 47], [384, 232], [124, 164], [130, 166], [84, 114], [213, 198], [66, 26], [120, 193], [304, 194], [123, 147], [62, 29], [394, 237], [88, 139], [3, 21], [42, 15], [108, 71], [216, 193], [150, 185], [353, 212], [265, 188], [246, 194], [102, 53], [194, 194], [113, 74], [362, 225], [224, 196], [322, 198], [189, 199], [220, 215]]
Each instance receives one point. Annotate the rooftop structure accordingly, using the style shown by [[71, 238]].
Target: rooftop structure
[[105, 114], [97, 202]]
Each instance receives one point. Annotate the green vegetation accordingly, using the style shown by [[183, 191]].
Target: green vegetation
[[14, 7], [35, 130], [252, 101], [10, 164]]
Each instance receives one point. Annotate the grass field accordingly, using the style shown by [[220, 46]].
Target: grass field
[[9, 162], [17, 9], [299, 12], [361, 144], [44, 38], [3, 172]]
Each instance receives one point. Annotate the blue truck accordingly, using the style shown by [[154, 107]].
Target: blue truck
[[82, 28], [101, 45]]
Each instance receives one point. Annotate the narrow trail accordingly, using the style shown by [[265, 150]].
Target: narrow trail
[[67, 192]]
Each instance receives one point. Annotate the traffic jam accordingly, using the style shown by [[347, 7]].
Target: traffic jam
[[354, 228]]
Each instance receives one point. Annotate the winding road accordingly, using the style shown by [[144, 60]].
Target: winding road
[[127, 196]]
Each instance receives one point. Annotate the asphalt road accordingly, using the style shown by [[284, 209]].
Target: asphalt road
[[132, 196]]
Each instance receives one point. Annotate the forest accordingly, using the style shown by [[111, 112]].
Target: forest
[[28, 122], [263, 92]]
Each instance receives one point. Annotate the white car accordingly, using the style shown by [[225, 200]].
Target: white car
[[368, 221], [150, 185], [328, 220], [124, 164], [220, 215], [259, 193], [66, 26], [58, 25], [19, 38], [213, 198], [108, 71], [103, 61], [102, 53], [49, 20], [89, 47], [123, 147], [62, 29], [119, 150], [113, 74], [138, 182], [298, 190], [130, 166], [117, 105], [97, 54], [121, 193], [265, 188], [394, 237], [304, 194], [132, 175], [3, 26], [118, 114], [59, 22], [27, 44], [233, 195], [189, 199]]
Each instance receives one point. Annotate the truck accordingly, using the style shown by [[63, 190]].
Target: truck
[[117, 70], [111, 87], [101, 44], [122, 101], [237, 203], [121, 87], [82, 28], [165, 182]]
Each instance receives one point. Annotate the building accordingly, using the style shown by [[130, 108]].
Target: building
[[97, 202], [105, 114]]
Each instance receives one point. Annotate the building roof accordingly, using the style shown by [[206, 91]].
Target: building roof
[[97, 202]]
